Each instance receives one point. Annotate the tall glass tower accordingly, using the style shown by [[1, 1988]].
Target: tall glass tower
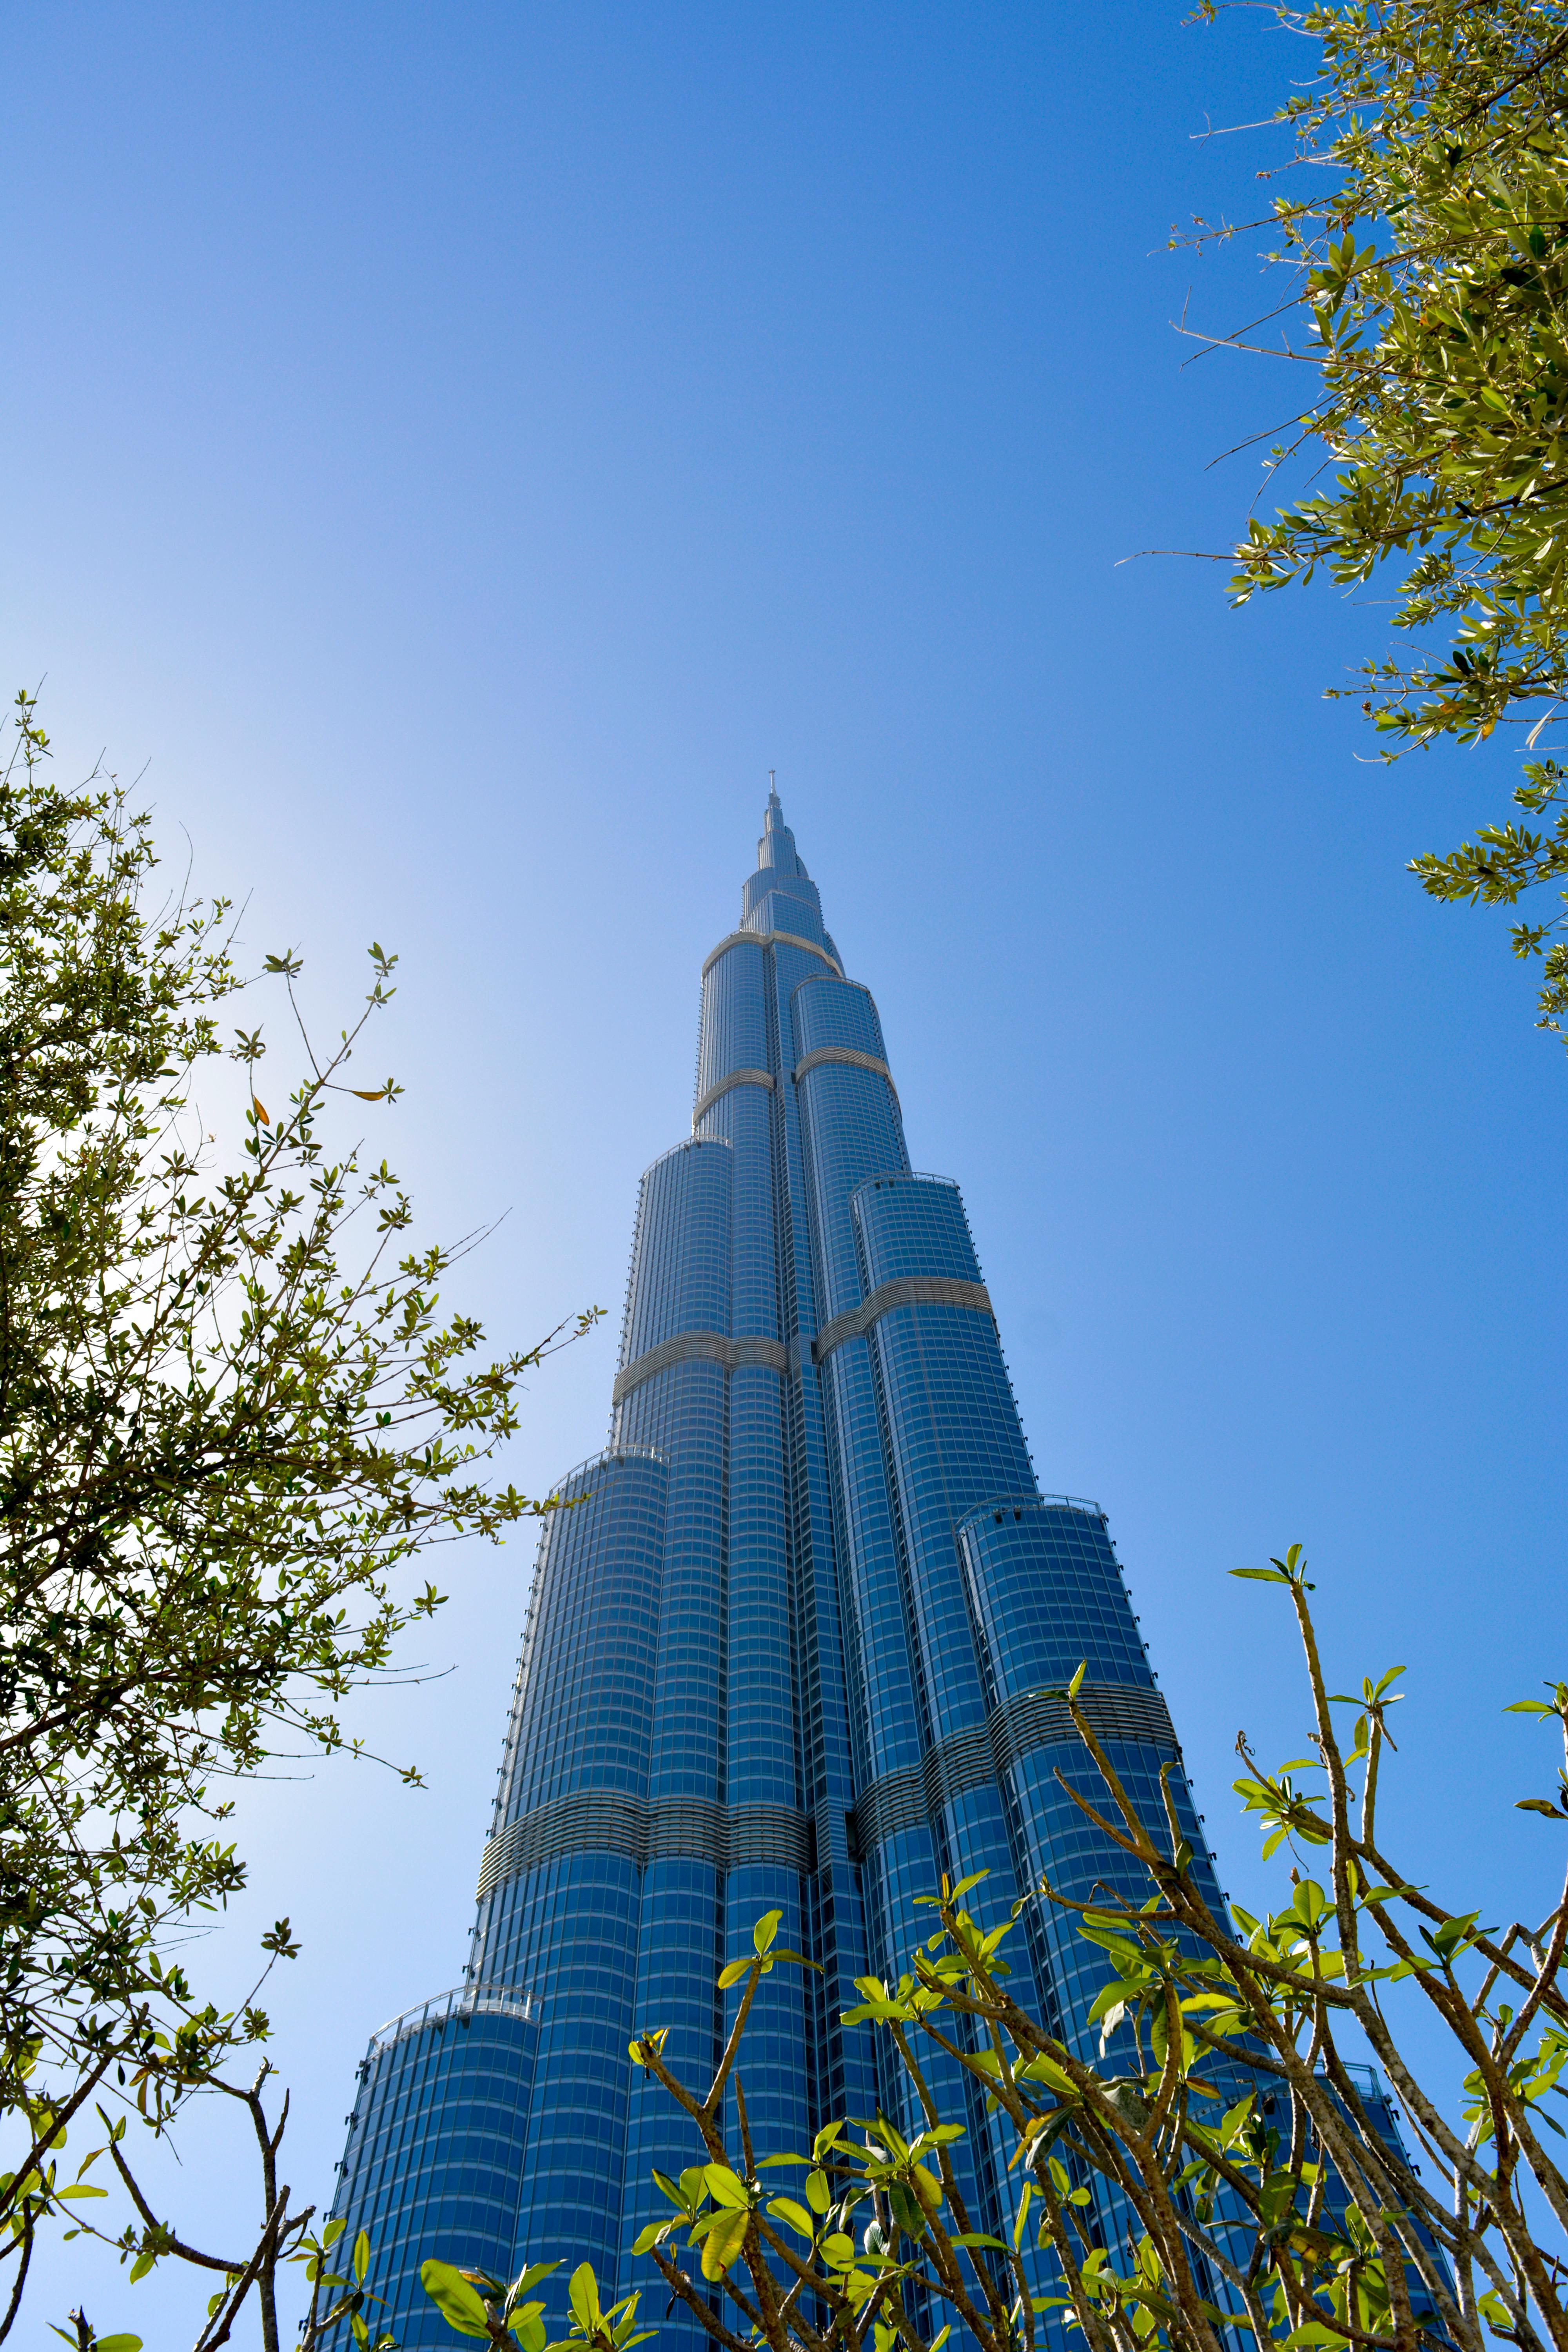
[[799, 1646]]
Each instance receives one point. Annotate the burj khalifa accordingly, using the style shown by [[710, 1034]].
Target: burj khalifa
[[799, 1645]]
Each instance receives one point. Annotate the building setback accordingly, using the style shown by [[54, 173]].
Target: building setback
[[799, 1647]]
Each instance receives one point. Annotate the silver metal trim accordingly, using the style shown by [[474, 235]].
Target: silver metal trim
[[914, 1797], [908, 1290], [851, 1055], [768, 940], [694, 1347], [603, 1821], [464, 2002], [735, 1078]]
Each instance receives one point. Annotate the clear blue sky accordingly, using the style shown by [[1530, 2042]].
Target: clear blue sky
[[459, 450]]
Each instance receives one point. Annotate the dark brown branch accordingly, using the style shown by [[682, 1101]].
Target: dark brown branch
[[675, 2278], [205, 2343], [15, 2305], [165, 2238]]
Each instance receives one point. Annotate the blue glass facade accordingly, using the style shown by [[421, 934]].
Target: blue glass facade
[[796, 1648]]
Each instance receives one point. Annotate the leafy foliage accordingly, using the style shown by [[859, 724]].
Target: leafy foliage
[[232, 1417], [477, 2304], [1431, 281], [1226, 2169]]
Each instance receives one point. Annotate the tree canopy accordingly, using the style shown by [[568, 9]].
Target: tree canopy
[[234, 1416], [1426, 233]]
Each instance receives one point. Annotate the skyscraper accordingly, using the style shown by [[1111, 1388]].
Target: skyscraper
[[798, 1646]]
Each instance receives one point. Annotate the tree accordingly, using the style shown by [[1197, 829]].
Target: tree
[[1430, 299], [283, 2237], [1225, 2171], [233, 1417]]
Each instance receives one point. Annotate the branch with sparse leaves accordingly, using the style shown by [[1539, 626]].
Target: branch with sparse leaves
[[1428, 276], [1226, 2167], [234, 1414]]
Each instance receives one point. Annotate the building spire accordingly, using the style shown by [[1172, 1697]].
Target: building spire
[[776, 848]]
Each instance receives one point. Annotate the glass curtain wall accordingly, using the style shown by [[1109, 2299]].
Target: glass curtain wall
[[795, 1648]]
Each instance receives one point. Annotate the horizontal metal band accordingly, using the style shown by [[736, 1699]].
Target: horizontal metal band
[[464, 2002], [847, 1054], [971, 1760], [908, 1290], [705, 1347], [735, 1078], [768, 940], [599, 1821]]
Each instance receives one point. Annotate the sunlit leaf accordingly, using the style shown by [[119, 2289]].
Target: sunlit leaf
[[454, 2298], [723, 2242]]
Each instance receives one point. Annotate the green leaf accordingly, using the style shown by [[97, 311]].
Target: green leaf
[[118, 2344], [733, 1972], [1261, 1575], [531, 2277], [785, 2209], [624, 2318], [454, 2298], [725, 2188], [818, 2195], [766, 1929], [583, 2296], [723, 2241], [1076, 1683], [361, 2255], [1538, 1805], [1310, 1902]]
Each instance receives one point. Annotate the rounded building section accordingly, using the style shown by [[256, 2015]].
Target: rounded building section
[[1048, 1596], [433, 2161], [681, 1249], [829, 1012], [733, 1036]]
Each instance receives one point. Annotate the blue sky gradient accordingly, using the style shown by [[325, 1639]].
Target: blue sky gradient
[[459, 451]]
